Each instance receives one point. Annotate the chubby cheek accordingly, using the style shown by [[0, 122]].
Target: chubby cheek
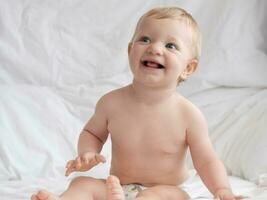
[[173, 74], [174, 71], [134, 59], [132, 63], [133, 67]]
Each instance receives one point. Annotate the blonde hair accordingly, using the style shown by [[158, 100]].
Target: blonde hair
[[178, 14]]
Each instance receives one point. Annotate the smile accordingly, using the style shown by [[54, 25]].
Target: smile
[[152, 64]]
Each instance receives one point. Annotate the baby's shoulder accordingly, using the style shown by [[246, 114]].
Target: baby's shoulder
[[112, 98], [196, 124], [189, 109], [115, 94]]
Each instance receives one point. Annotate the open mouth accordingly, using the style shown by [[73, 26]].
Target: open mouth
[[151, 64]]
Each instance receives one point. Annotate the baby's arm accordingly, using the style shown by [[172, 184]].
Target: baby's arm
[[205, 160], [91, 141], [95, 133]]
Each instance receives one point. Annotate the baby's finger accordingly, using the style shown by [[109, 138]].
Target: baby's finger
[[69, 171], [99, 158], [78, 163], [84, 160], [69, 163], [70, 167]]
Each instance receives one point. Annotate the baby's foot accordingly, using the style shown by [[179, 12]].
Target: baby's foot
[[114, 189], [44, 195]]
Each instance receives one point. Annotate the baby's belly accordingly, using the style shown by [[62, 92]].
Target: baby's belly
[[149, 171]]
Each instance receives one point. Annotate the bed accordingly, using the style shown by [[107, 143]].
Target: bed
[[57, 58]]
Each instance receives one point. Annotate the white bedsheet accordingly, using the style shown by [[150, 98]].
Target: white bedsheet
[[57, 58]]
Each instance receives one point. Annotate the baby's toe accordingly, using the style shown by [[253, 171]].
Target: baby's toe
[[114, 189]]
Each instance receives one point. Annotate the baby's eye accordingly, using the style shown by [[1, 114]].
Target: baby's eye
[[171, 46], [145, 39]]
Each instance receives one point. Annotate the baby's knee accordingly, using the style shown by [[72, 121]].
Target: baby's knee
[[87, 187], [79, 179], [84, 182]]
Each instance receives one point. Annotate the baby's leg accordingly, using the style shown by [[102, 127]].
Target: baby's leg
[[81, 188], [162, 192]]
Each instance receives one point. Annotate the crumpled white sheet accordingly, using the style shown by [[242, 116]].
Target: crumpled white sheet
[[59, 43], [237, 123]]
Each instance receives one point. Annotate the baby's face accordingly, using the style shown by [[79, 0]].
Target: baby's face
[[160, 51]]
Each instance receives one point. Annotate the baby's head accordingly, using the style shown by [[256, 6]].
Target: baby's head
[[185, 20]]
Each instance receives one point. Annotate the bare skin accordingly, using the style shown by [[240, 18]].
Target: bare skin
[[151, 127], [165, 154]]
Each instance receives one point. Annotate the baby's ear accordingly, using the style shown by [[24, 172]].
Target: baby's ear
[[192, 66], [190, 69], [129, 47]]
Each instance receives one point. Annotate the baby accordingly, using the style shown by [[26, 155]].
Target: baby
[[150, 124]]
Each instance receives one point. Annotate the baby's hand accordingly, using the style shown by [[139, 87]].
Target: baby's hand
[[84, 162], [226, 194]]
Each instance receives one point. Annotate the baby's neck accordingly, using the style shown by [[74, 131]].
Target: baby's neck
[[151, 95]]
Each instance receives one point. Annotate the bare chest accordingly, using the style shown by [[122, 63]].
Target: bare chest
[[148, 132]]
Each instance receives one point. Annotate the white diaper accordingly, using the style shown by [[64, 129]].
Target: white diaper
[[131, 190], [189, 186]]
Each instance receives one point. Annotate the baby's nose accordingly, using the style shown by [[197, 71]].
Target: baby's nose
[[155, 49]]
